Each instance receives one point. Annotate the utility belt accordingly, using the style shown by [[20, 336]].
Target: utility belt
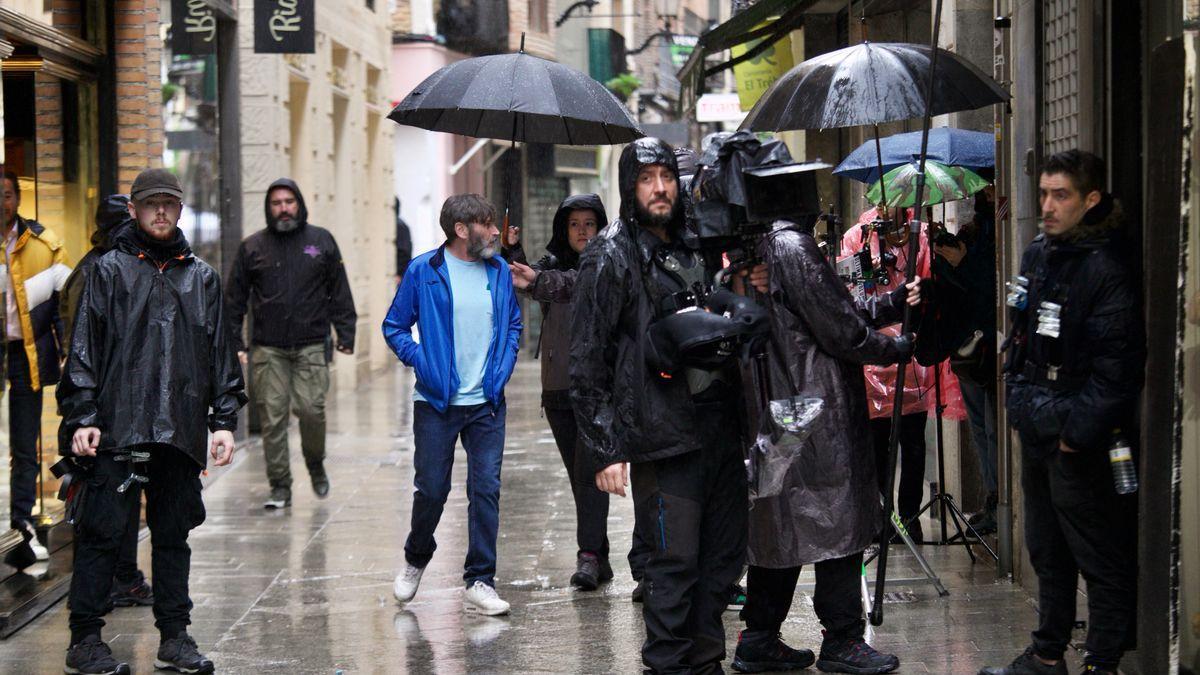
[[1052, 377], [73, 479]]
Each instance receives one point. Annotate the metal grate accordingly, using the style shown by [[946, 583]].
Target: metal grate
[[1062, 76]]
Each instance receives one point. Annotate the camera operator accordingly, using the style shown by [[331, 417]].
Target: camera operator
[[681, 433], [819, 342], [1074, 373]]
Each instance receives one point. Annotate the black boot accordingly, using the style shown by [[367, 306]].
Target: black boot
[[760, 651], [587, 572], [181, 655], [853, 655], [320, 479], [91, 656], [1027, 664]]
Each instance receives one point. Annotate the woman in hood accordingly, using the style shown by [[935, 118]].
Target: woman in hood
[[550, 282]]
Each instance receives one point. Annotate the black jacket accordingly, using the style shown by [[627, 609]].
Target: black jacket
[[1099, 357], [150, 359], [294, 284]]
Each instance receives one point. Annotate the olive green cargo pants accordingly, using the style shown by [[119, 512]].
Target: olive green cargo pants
[[290, 381]]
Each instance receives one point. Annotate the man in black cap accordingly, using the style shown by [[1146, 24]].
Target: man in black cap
[[680, 433], [151, 372], [291, 278]]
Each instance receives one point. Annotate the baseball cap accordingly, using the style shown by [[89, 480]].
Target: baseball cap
[[155, 182]]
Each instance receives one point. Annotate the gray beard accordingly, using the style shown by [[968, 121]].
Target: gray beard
[[286, 224], [477, 247]]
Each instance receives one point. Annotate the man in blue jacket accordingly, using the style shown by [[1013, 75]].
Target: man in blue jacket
[[460, 297]]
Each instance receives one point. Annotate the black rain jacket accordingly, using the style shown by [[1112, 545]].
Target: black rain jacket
[[294, 284], [1100, 352], [626, 413], [151, 360]]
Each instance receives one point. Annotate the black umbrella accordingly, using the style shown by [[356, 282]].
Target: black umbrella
[[871, 83], [518, 97]]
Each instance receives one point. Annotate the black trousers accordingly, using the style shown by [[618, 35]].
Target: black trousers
[[24, 423], [127, 570], [591, 503], [173, 508], [836, 599], [1076, 523], [912, 460], [693, 510]]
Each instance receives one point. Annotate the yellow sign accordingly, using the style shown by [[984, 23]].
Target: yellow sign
[[758, 74]]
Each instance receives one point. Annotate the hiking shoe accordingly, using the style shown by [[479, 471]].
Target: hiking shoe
[[854, 655], [131, 595], [482, 599], [639, 592], [281, 497], [1027, 664], [91, 656], [587, 572], [181, 655], [320, 480], [606, 573], [405, 586], [737, 598], [760, 651], [29, 534]]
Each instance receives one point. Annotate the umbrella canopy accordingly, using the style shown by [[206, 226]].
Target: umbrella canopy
[[518, 97], [975, 150], [871, 83], [942, 184]]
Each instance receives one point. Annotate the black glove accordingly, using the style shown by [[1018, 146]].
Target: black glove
[[905, 346]]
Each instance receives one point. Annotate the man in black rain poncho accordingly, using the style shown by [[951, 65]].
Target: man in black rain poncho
[[682, 434], [151, 371]]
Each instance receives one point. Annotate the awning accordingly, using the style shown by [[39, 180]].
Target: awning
[[738, 30]]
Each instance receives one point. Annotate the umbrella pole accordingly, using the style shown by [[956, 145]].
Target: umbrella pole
[[906, 326], [879, 163]]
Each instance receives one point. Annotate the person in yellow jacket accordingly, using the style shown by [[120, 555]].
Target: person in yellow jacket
[[34, 270]]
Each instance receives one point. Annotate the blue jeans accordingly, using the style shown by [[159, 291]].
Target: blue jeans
[[481, 428], [980, 402]]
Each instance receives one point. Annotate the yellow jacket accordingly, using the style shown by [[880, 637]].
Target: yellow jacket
[[39, 269]]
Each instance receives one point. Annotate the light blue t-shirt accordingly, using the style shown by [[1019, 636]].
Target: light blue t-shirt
[[473, 328]]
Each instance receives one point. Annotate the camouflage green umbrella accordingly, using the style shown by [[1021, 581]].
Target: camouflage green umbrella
[[942, 184]]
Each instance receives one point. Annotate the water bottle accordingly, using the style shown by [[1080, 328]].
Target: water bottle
[[1120, 455]]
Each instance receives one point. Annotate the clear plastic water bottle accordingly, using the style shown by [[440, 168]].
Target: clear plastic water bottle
[[1120, 455]]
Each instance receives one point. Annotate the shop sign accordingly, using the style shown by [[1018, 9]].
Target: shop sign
[[193, 27], [719, 108], [285, 26], [757, 75], [682, 47]]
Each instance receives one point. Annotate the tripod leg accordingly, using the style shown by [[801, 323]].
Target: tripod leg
[[958, 516], [963, 536]]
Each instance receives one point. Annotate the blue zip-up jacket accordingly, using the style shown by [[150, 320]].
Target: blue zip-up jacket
[[424, 299]]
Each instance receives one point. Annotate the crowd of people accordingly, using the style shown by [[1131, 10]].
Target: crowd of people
[[146, 345]]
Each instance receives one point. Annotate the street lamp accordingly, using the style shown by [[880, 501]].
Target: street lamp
[[589, 4], [667, 10]]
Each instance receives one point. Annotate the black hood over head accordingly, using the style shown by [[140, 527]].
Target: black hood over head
[[560, 241], [112, 217], [641, 153], [291, 185]]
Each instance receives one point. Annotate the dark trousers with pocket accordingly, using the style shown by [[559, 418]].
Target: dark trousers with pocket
[[1076, 523], [173, 508], [836, 598], [693, 510], [591, 504], [24, 423], [911, 461]]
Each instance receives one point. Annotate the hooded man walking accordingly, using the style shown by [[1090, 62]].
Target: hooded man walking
[[292, 278], [681, 434], [150, 373]]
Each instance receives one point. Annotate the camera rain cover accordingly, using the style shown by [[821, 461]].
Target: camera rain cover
[[719, 189], [784, 431]]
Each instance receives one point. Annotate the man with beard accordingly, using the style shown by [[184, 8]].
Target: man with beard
[[681, 433], [292, 278], [460, 297], [151, 372]]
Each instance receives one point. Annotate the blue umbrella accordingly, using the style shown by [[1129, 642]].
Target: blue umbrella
[[975, 150]]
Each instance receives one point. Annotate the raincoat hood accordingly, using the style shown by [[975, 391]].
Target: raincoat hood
[[112, 218], [560, 238], [291, 185], [638, 154]]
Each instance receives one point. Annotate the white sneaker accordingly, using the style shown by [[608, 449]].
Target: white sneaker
[[482, 599], [30, 533], [406, 583]]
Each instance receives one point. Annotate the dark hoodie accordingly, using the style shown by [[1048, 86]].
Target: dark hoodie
[[1098, 358], [294, 283], [112, 219], [624, 411], [552, 288]]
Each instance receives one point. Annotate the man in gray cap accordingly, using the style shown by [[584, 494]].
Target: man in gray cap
[[151, 371]]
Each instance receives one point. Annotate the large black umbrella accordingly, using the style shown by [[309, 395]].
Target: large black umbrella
[[518, 97], [871, 83]]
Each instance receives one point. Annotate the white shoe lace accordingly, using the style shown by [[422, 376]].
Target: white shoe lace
[[484, 592], [412, 574]]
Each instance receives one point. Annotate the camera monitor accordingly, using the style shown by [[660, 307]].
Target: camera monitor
[[785, 191]]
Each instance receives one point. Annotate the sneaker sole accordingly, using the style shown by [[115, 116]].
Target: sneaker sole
[[133, 603], [276, 505], [735, 608], [583, 583], [766, 666], [163, 665], [122, 669], [838, 667], [472, 609]]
